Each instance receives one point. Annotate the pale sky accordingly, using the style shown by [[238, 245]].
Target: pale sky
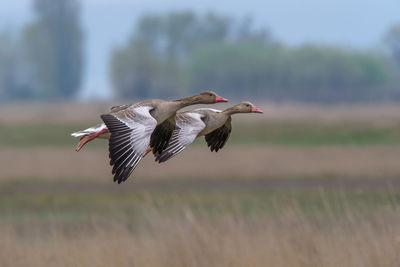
[[107, 23]]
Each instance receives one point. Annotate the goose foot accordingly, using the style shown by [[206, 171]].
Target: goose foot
[[88, 138], [147, 151]]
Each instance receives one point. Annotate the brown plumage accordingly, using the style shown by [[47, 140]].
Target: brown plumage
[[214, 124], [133, 127]]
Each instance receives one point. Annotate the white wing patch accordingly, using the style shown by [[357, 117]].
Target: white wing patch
[[188, 126], [130, 136], [141, 129]]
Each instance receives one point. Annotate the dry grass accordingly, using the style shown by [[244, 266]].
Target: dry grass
[[185, 229], [288, 240]]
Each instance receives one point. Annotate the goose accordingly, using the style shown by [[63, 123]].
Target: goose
[[134, 130], [214, 124]]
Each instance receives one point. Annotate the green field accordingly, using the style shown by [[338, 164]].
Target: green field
[[84, 205], [287, 133]]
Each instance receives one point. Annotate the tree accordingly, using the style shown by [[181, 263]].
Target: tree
[[54, 44], [247, 34], [309, 73], [15, 78], [134, 70], [245, 69], [392, 40], [185, 32], [153, 60]]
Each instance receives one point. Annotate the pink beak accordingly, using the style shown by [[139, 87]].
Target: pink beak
[[256, 110], [220, 99], [147, 151]]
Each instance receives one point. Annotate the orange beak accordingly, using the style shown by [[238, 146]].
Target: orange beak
[[256, 110], [220, 99]]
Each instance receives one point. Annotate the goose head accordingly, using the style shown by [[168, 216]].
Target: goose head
[[244, 107], [207, 97], [210, 97]]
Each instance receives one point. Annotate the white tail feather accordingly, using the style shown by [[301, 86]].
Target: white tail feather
[[91, 130]]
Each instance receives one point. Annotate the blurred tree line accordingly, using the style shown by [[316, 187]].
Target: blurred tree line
[[157, 55], [185, 52], [45, 61], [181, 53]]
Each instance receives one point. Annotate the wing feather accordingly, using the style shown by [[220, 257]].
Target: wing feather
[[188, 126], [130, 130], [217, 138], [161, 135]]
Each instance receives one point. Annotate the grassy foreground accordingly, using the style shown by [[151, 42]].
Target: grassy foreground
[[273, 227], [82, 204], [60, 208]]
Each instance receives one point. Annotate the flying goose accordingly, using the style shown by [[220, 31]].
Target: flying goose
[[214, 124], [131, 129]]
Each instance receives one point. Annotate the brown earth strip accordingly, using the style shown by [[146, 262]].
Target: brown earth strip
[[244, 162], [78, 112]]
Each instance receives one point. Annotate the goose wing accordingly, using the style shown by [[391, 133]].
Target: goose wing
[[130, 130], [217, 138], [161, 135], [188, 126]]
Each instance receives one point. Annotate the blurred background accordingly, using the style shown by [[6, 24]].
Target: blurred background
[[314, 181]]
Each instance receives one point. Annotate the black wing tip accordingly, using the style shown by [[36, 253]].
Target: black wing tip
[[163, 157], [119, 176], [119, 179], [163, 160], [158, 159], [216, 140], [161, 136], [122, 176]]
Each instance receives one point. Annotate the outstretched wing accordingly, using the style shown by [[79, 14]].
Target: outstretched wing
[[188, 126], [130, 130], [161, 135], [217, 138]]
